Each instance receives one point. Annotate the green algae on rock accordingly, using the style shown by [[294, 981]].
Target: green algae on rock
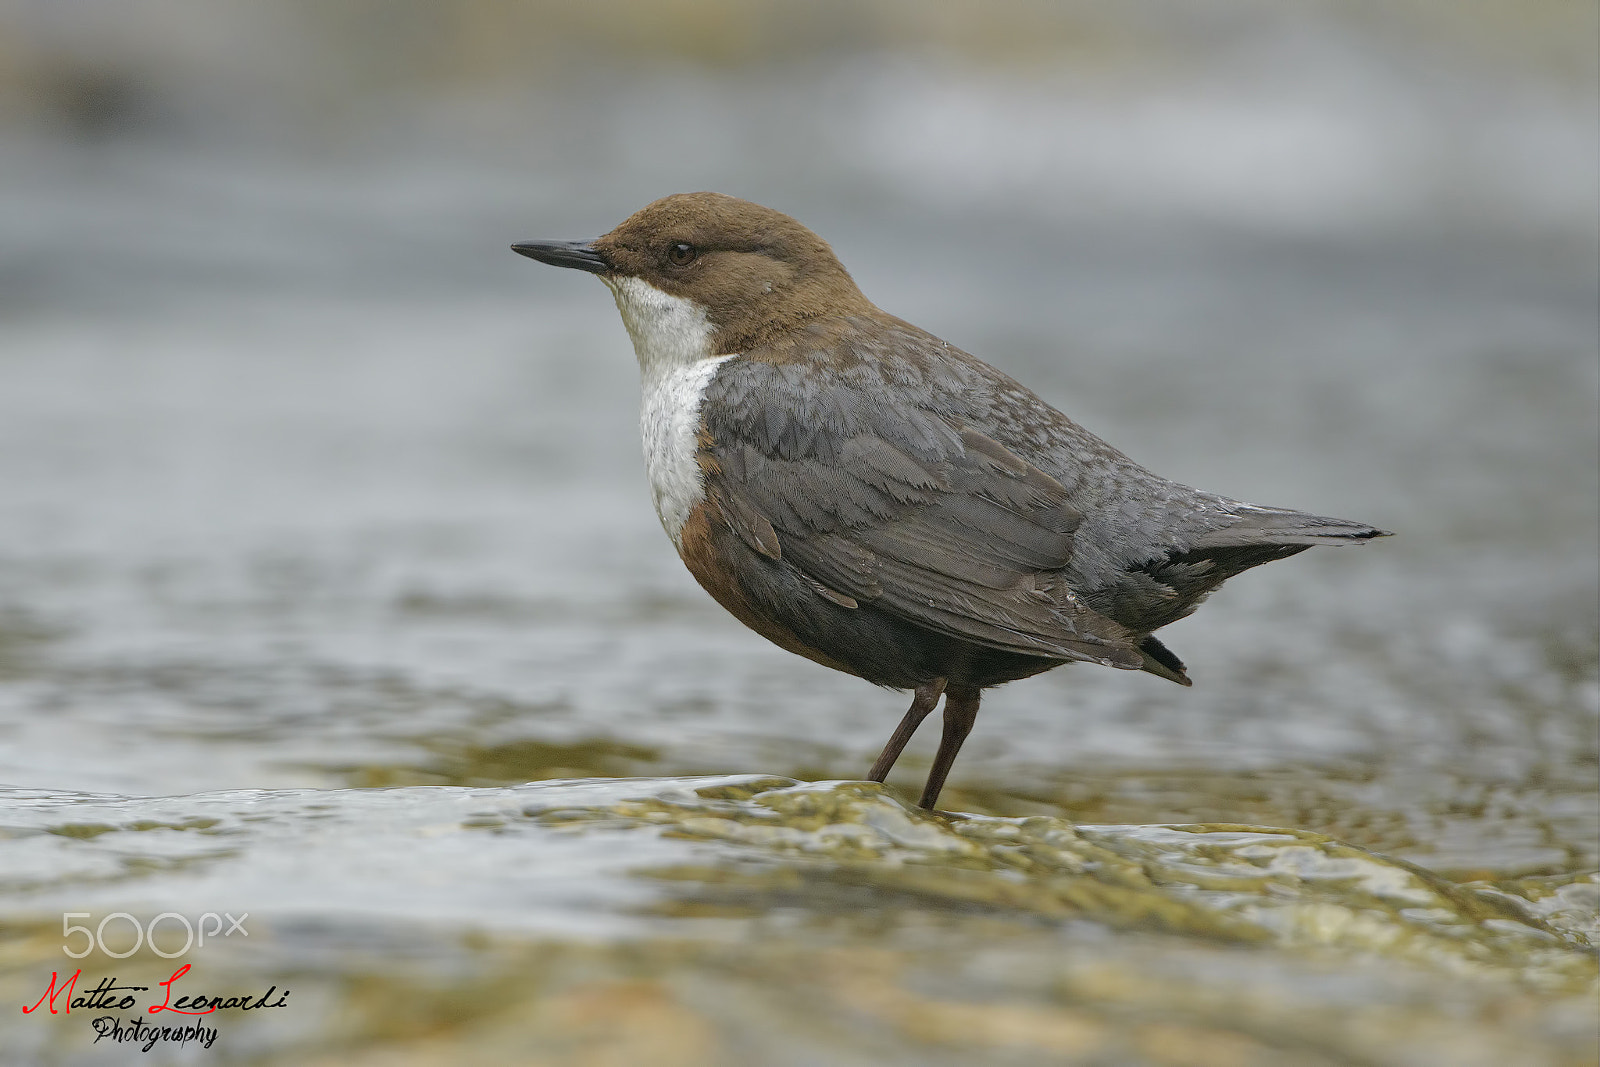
[[718, 919], [1236, 883]]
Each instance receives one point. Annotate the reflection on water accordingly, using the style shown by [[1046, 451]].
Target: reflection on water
[[309, 486]]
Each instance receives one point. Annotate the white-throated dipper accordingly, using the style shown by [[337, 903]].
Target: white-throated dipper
[[861, 493]]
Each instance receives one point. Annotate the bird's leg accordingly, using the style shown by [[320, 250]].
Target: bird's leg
[[960, 712], [927, 696]]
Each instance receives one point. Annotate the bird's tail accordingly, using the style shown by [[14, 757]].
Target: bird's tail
[[1256, 525]]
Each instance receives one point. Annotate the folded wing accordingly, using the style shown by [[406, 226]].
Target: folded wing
[[886, 505]]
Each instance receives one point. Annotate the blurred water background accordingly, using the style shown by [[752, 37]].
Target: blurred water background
[[309, 487]]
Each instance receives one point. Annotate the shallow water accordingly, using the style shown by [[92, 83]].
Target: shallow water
[[323, 535], [609, 915]]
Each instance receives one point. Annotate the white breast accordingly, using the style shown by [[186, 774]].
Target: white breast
[[672, 340]]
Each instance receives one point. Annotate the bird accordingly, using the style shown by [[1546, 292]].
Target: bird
[[873, 498]]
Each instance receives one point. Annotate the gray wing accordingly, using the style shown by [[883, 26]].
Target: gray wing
[[1149, 549], [878, 501]]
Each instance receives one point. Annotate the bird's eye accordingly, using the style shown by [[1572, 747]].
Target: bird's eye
[[681, 254]]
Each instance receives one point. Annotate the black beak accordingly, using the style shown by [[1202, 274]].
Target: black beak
[[579, 255]]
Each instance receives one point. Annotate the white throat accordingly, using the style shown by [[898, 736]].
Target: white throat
[[672, 340]]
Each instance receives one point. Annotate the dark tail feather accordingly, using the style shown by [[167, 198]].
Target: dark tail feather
[[1257, 535], [1280, 526], [1159, 661]]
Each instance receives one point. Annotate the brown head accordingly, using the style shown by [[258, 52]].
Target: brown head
[[753, 272]]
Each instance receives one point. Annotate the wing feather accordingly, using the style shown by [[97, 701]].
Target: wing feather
[[902, 508]]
